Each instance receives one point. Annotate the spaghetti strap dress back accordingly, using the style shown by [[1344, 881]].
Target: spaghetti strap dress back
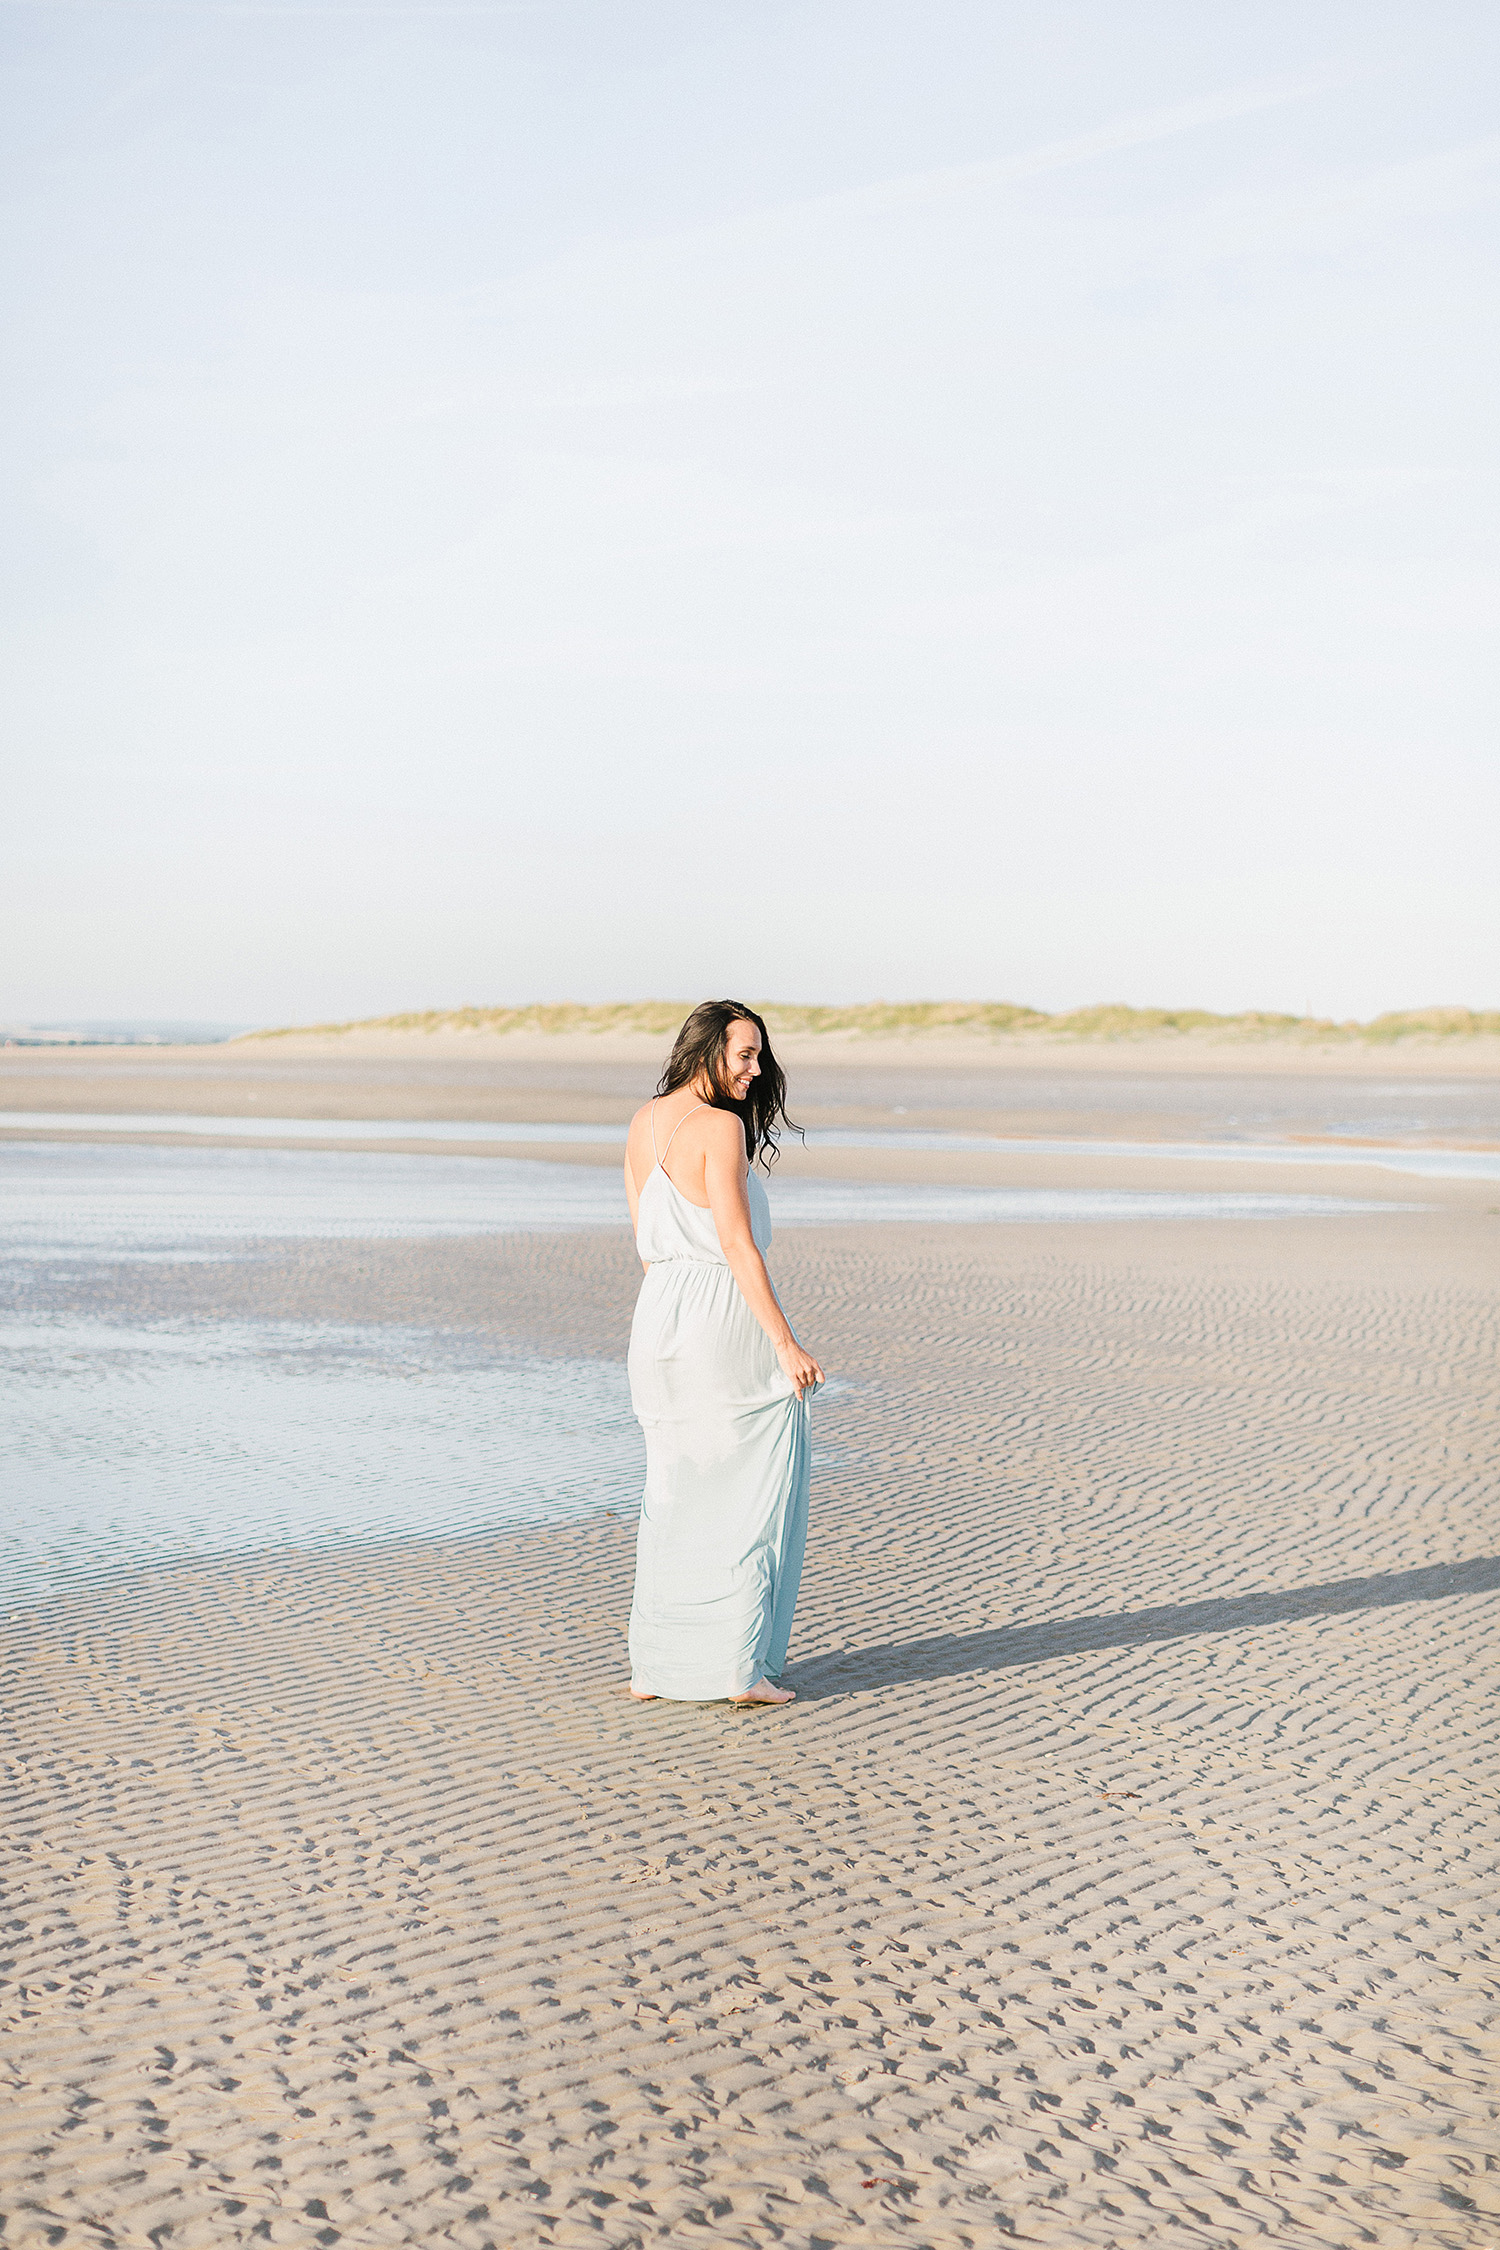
[[724, 1514]]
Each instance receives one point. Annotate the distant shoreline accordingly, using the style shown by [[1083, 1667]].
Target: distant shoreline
[[982, 1023]]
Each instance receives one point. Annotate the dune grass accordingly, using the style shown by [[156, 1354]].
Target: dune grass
[[984, 1019]]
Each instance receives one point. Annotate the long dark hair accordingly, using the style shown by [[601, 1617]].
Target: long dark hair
[[699, 1053]]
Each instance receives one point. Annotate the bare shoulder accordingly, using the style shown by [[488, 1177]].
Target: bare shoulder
[[721, 1130], [638, 1137]]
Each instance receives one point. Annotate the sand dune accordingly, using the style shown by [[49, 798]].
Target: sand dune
[[991, 1027], [1126, 1869]]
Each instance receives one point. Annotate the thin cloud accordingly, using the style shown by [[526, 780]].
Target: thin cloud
[[335, 11], [912, 189]]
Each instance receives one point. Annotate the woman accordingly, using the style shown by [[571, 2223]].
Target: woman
[[718, 1381]]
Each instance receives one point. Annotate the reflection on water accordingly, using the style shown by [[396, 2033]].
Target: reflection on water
[[1419, 1163], [130, 1444], [473, 1131], [1249, 1098], [101, 1202], [126, 1446], [1428, 1163], [108, 1202]]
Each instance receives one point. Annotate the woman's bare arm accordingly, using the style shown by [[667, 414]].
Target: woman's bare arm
[[729, 1201]]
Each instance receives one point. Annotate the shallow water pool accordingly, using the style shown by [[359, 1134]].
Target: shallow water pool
[[132, 1443], [128, 1445], [102, 1202]]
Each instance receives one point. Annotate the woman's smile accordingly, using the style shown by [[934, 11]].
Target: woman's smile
[[741, 1059]]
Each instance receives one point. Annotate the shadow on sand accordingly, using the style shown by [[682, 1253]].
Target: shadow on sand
[[946, 1655]]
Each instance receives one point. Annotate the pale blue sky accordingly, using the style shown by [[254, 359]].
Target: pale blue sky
[[829, 500]]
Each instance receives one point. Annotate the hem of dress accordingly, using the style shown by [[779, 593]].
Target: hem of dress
[[642, 1687]]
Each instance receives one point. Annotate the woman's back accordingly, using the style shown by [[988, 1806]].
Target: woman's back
[[676, 1127], [672, 1136]]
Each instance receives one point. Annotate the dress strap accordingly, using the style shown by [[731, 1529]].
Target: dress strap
[[671, 1137]]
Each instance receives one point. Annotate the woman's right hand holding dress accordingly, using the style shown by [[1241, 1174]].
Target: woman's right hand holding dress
[[799, 1367]]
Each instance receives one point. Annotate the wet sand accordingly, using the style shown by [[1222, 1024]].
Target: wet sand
[[1411, 1095], [1127, 1866]]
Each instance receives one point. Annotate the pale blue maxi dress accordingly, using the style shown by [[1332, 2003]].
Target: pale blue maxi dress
[[724, 1516]]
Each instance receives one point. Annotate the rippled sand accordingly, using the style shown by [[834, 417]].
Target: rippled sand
[[1126, 1870]]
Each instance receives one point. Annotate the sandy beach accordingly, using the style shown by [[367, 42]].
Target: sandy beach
[[1127, 1867], [970, 523]]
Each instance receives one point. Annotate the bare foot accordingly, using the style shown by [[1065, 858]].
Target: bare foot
[[761, 1691]]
